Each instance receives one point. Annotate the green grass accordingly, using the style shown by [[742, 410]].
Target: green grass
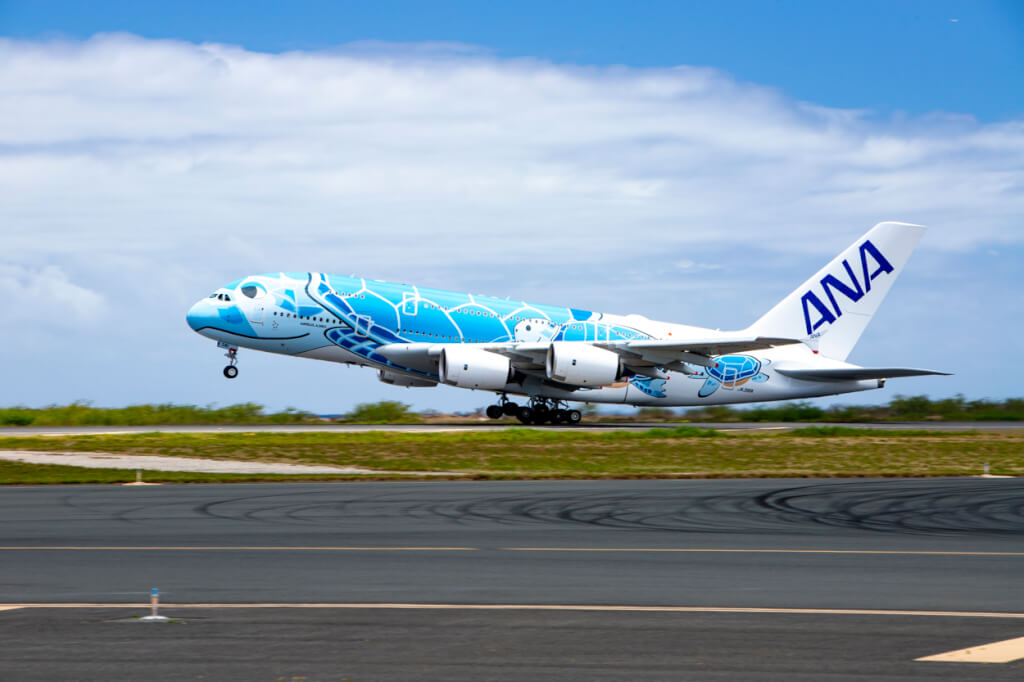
[[851, 432], [539, 453]]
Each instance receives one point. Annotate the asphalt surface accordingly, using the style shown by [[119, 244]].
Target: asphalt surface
[[859, 578], [488, 425]]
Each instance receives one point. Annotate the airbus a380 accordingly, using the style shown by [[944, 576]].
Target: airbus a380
[[414, 336]]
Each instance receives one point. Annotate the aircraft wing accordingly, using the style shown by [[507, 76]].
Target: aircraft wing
[[672, 353], [853, 373]]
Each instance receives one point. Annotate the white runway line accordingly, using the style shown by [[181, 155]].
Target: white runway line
[[1006, 651], [444, 548], [522, 607]]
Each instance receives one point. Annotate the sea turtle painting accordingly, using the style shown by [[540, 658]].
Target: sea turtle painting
[[730, 371]]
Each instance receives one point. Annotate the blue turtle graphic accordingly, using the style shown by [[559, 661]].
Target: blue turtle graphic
[[730, 371], [649, 385]]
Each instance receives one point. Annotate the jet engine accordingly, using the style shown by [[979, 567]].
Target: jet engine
[[580, 364], [396, 379], [468, 367]]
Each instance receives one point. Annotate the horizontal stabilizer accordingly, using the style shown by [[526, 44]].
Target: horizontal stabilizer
[[853, 373]]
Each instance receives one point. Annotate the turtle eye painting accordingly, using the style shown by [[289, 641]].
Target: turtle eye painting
[[547, 357]]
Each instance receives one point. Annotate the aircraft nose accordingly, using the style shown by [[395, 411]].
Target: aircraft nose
[[198, 315]]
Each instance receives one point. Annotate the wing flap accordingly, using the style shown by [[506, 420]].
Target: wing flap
[[671, 353]]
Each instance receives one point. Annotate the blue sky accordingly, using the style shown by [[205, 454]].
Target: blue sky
[[881, 55], [688, 161]]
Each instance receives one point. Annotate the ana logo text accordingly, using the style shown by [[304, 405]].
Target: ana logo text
[[872, 265]]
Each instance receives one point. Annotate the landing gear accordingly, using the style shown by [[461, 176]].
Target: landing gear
[[504, 408], [231, 371], [547, 411], [539, 411]]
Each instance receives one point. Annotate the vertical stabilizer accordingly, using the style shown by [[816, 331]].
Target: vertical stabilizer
[[831, 309]]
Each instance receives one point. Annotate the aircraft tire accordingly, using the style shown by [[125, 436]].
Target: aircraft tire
[[231, 371], [510, 409], [525, 415], [495, 411], [573, 417], [559, 416]]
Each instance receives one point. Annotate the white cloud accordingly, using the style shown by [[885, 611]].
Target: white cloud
[[157, 144], [47, 297]]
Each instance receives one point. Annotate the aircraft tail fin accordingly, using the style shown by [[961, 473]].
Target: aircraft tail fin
[[830, 310]]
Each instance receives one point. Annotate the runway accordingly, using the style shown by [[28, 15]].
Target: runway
[[709, 579]]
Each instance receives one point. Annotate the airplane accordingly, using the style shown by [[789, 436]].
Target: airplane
[[552, 356]]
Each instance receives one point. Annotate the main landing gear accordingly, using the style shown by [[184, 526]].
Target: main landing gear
[[231, 371], [539, 411]]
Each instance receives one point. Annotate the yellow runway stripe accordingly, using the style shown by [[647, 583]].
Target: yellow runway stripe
[[757, 551], [524, 607], [996, 652], [209, 548], [371, 548]]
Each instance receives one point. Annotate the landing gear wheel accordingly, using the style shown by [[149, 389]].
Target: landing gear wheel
[[573, 417], [231, 371], [495, 411], [559, 416], [510, 409], [525, 414]]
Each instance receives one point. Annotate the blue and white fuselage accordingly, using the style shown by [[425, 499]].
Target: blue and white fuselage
[[416, 336]]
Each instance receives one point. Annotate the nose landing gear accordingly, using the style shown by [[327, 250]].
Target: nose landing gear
[[231, 371]]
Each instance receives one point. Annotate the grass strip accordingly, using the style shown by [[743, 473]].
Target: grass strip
[[537, 453]]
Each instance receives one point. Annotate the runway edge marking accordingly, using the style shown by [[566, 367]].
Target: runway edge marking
[[1005, 651]]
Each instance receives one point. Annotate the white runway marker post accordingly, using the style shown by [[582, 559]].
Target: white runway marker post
[[154, 603]]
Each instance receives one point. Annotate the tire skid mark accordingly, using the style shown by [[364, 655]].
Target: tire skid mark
[[909, 506]]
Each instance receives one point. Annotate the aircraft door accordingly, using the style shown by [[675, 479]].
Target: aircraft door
[[253, 301], [410, 303], [363, 323], [256, 311]]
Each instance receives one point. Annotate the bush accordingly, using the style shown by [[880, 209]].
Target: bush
[[16, 417], [384, 412]]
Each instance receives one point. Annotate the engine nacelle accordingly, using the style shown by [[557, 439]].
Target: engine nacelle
[[468, 367], [580, 364], [396, 379]]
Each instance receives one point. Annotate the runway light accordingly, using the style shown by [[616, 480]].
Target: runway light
[[154, 605]]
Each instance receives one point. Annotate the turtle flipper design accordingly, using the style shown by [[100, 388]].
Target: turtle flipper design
[[709, 387], [652, 387]]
